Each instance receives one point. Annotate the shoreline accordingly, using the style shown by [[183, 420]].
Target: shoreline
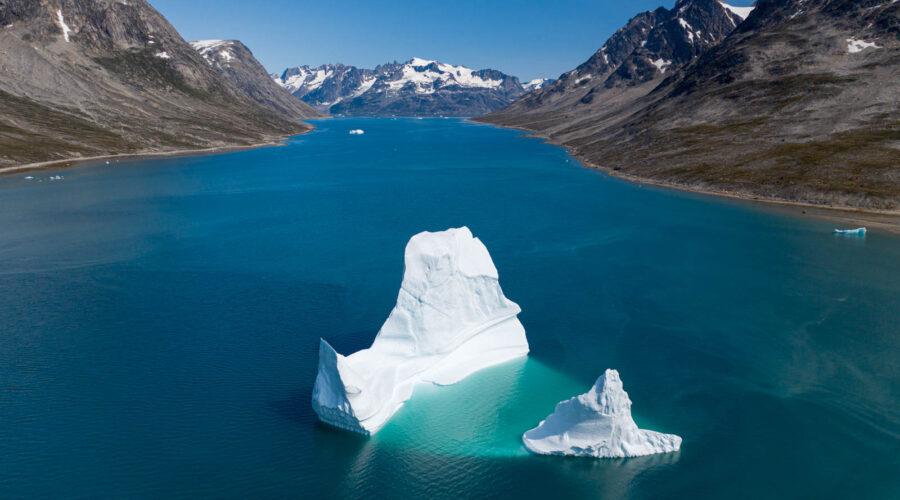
[[886, 220], [78, 161]]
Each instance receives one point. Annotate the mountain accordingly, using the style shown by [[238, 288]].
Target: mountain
[[798, 103], [418, 87], [237, 65], [629, 65], [537, 83], [94, 77]]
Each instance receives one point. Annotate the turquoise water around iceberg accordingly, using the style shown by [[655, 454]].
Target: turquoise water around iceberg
[[159, 325]]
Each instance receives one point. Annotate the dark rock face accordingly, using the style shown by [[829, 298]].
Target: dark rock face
[[650, 46], [416, 88], [799, 103], [94, 77], [237, 65]]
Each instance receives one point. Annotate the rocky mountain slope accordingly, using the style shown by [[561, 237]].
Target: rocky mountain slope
[[237, 65], [418, 87], [799, 103], [629, 65], [93, 77]]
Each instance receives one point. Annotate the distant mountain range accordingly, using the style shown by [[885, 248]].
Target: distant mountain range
[[795, 100], [97, 77], [418, 87]]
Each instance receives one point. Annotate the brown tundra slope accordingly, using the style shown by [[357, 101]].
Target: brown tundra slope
[[798, 103], [94, 77]]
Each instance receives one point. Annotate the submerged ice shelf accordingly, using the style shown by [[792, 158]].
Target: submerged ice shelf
[[451, 320], [597, 424]]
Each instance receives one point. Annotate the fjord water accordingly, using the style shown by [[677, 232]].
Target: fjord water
[[159, 325]]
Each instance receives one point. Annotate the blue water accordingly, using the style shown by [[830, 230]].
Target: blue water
[[159, 325]]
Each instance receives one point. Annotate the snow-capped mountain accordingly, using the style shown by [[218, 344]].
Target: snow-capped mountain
[[418, 87], [537, 83]]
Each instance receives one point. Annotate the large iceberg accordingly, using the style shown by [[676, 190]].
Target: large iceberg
[[597, 424], [451, 320]]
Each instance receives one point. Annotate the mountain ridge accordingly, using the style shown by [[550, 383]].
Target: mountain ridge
[[797, 104], [416, 87], [85, 78]]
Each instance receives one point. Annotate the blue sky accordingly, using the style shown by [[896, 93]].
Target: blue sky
[[525, 38]]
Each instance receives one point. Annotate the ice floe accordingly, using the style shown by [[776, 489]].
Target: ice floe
[[357, 131], [860, 231], [597, 424], [451, 320]]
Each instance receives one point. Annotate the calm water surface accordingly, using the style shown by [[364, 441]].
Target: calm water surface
[[159, 325]]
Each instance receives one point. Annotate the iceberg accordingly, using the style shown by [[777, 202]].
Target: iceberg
[[597, 424], [451, 320], [357, 131], [852, 232]]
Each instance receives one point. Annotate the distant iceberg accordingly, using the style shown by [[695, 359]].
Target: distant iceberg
[[852, 232], [357, 131], [451, 320], [597, 424]]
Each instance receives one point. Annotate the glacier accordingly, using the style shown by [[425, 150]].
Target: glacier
[[597, 424], [451, 320]]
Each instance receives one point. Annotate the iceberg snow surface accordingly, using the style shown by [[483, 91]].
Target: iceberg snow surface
[[597, 424], [451, 320]]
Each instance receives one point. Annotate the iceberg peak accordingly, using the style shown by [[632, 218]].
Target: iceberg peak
[[597, 424], [451, 320]]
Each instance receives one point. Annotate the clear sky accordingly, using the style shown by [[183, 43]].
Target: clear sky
[[524, 38]]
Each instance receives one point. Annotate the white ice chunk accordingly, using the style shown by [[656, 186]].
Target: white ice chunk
[[357, 131], [451, 320], [597, 424], [861, 231]]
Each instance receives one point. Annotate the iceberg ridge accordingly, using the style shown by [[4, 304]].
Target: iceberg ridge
[[597, 424], [451, 320]]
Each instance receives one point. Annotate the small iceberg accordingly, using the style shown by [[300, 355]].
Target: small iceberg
[[597, 424], [451, 320], [861, 231], [357, 131], [29, 178]]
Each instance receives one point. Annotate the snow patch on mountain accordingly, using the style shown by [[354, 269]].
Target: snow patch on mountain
[[742, 12], [62, 24], [209, 48], [536, 83], [661, 64], [854, 45]]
